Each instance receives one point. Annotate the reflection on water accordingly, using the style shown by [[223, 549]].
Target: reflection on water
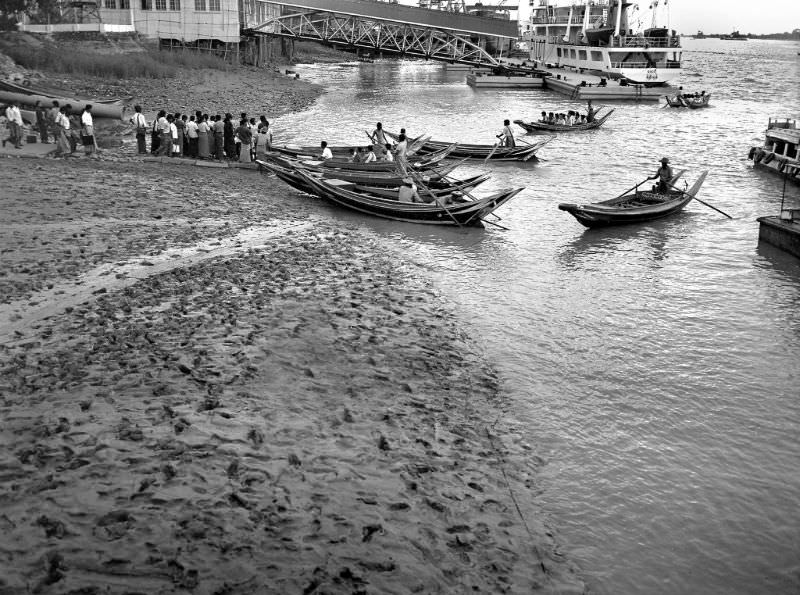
[[654, 365]]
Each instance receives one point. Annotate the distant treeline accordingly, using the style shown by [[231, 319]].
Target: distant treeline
[[787, 35]]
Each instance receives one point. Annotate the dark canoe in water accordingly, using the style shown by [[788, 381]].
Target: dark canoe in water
[[521, 152], [674, 101], [689, 101], [542, 127], [456, 191], [696, 102], [634, 207], [433, 178], [461, 213]]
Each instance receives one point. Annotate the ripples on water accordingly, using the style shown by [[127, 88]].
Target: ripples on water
[[656, 366]]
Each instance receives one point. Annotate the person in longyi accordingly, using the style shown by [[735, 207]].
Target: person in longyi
[[506, 136], [663, 175]]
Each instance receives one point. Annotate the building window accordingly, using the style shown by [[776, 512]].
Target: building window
[[213, 5], [147, 4], [110, 4], [161, 4], [199, 5], [174, 4], [124, 4]]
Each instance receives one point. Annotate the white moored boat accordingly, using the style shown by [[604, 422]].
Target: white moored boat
[[594, 36]]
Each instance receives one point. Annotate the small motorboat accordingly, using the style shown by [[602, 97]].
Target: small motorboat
[[635, 206]]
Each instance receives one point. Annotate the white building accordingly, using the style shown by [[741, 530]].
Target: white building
[[186, 21]]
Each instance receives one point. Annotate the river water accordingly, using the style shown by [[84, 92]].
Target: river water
[[655, 367]]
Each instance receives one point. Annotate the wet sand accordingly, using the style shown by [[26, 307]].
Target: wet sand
[[208, 386]]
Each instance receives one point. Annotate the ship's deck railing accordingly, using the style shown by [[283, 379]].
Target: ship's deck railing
[[627, 41], [638, 41], [577, 20], [668, 64], [782, 123]]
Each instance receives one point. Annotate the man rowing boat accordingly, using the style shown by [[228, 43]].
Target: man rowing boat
[[664, 175]]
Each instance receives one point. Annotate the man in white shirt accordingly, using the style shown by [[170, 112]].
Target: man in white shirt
[[326, 152], [370, 155], [14, 124], [140, 126], [62, 131], [87, 129], [192, 134], [402, 147], [408, 191]]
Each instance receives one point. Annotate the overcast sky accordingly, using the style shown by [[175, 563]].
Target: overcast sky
[[722, 16], [712, 16]]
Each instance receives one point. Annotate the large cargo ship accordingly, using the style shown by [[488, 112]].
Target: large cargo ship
[[596, 36]]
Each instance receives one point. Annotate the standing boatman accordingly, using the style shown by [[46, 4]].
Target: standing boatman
[[506, 136], [590, 112], [664, 175]]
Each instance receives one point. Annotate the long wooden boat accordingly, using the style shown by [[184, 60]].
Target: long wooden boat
[[462, 213], [420, 162], [542, 127], [438, 178], [633, 207], [339, 152], [522, 152], [456, 191]]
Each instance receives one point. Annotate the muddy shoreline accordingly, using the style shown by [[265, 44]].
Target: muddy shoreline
[[218, 412]]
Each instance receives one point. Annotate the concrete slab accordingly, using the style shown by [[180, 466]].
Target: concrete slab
[[27, 150], [781, 233]]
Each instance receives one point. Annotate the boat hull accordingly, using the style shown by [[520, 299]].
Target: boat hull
[[539, 127], [462, 214], [494, 81], [522, 152], [634, 208]]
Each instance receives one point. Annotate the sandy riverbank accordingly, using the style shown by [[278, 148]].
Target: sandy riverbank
[[242, 397]]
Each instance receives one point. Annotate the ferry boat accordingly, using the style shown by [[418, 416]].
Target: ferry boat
[[594, 36], [781, 150]]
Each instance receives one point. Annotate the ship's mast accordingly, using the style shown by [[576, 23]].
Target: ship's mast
[[619, 18]]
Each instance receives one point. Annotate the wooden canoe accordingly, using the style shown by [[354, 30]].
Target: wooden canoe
[[438, 178], [541, 127], [463, 213], [522, 152], [697, 102], [455, 191], [633, 207], [674, 100]]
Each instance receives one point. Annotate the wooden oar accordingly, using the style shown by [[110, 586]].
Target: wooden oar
[[633, 188], [702, 202], [492, 153], [434, 197]]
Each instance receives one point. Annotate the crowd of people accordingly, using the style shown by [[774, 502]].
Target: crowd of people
[[67, 129], [571, 118], [202, 136]]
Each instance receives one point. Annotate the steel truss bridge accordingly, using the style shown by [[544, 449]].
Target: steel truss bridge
[[390, 28]]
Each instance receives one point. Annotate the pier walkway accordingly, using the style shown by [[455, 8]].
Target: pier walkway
[[391, 28]]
